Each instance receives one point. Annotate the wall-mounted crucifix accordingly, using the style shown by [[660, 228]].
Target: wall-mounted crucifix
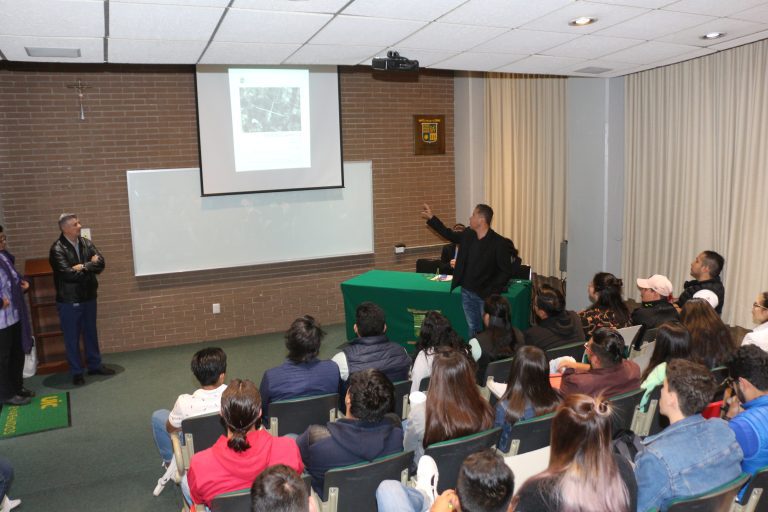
[[80, 87]]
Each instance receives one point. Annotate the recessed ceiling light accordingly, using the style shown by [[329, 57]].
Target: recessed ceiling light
[[713, 35], [582, 21]]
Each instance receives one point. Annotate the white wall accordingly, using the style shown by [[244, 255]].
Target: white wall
[[469, 142]]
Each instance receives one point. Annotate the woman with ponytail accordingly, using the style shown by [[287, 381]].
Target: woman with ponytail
[[235, 460], [500, 338], [608, 308], [583, 474]]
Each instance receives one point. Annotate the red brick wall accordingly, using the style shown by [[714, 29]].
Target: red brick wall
[[143, 117]]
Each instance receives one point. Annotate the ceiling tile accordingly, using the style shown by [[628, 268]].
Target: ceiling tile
[[358, 30], [166, 22], [740, 41], [647, 53], [758, 14], [247, 53], [273, 27], [91, 49], [713, 7], [655, 24], [648, 4], [733, 29], [502, 13], [426, 57], [543, 64], [194, 3], [607, 15], [521, 41], [52, 18], [133, 51], [447, 36], [333, 54], [698, 52], [591, 47], [322, 6], [469, 61], [424, 10]]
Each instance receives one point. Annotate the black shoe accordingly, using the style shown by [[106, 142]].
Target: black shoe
[[78, 380], [17, 400], [28, 393], [101, 370]]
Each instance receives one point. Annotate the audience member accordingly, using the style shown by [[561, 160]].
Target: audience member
[[583, 473], [302, 374], [485, 484], [529, 393], [748, 407], [453, 406], [209, 366], [435, 332], [6, 477], [372, 348], [672, 342], [368, 431], [705, 270], [759, 336], [656, 308], [608, 372], [450, 252], [279, 489], [556, 326], [500, 338], [608, 308], [237, 458], [711, 340], [692, 455], [707, 295]]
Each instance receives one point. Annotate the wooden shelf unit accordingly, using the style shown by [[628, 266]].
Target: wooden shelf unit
[[49, 340]]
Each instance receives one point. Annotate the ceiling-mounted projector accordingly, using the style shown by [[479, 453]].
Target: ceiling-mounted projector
[[394, 62]]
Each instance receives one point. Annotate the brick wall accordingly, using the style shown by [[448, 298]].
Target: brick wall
[[143, 117]]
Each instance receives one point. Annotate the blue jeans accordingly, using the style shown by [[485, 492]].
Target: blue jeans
[[6, 476], [75, 319], [161, 435], [393, 496], [473, 311]]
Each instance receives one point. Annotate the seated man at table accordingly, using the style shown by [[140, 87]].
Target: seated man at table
[[372, 348]]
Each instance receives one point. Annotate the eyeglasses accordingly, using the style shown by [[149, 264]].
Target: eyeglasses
[[754, 304]]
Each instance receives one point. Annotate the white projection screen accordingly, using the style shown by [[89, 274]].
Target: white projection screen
[[268, 129]]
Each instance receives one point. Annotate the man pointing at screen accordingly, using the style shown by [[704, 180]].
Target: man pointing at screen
[[484, 264]]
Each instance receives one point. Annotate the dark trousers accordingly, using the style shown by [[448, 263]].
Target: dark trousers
[[11, 361], [80, 318], [6, 476]]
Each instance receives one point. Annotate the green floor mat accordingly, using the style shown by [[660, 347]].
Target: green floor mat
[[47, 412]]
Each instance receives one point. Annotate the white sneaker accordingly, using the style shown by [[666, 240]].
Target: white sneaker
[[8, 504], [426, 478], [171, 473]]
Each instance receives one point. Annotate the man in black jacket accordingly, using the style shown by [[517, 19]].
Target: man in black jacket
[[76, 262], [705, 270], [484, 263], [656, 308]]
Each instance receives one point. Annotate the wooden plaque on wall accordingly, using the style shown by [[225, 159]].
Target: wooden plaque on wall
[[428, 134]]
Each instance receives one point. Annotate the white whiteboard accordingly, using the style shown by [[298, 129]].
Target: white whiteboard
[[175, 229]]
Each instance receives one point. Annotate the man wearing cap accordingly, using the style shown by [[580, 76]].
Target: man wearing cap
[[656, 308], [705, 270]]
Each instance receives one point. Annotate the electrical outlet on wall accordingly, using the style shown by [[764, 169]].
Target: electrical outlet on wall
[[216, 308]]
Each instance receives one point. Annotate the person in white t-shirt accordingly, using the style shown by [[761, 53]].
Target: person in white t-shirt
[[209, 366], [759, 336]]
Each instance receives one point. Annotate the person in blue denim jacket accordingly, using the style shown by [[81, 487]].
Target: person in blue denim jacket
[[693, 454]]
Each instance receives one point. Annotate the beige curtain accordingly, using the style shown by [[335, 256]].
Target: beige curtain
[[525, 156], [697, 172]]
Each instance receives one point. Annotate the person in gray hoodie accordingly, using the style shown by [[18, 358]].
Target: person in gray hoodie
[[369, 430], [556, 327]]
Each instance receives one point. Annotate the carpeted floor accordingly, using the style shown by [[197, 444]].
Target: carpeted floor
[[107, 459]]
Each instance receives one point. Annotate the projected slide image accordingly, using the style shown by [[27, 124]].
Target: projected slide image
[[270, 109]]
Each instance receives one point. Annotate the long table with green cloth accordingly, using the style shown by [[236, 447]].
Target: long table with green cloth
[[407, 296]]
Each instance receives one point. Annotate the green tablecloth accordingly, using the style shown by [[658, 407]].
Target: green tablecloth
[[407, 296]]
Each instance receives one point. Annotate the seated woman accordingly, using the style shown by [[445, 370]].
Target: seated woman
[[236, 459], [302, 374], [607, 373], [556, 326], [583, 472], [452, 408], [711, 340], [436, 331], [672, 342], [528, 393], [608, 308], [759, 336], [500, 339]]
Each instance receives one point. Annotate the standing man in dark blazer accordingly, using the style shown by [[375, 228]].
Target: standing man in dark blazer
[[76, 262], [484, 262]]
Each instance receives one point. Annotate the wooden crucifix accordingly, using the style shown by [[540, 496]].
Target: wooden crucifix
[[80, 87]]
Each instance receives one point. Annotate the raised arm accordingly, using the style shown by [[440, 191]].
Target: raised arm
[[437, 225]]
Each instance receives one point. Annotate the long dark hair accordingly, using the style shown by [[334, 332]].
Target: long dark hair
[[528, 384], [673, 341], [436, 331], [241, 411], [711, 340], [500, 331], [607, 289], [454, 406]]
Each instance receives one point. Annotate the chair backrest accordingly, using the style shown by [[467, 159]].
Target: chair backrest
[[624, 408], [402, 390], [575, 350], [499, 370], [295, 415], [201, 432], [649, 335], [719, 499], [235, 501], [353, 488], [529, 435], [449, 455], [630, 334], [427, 266], [658, 422], [753, 499], [642, 357]]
